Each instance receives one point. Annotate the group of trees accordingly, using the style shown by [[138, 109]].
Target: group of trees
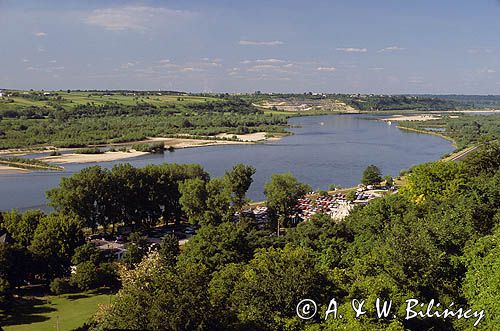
[[65, 123], [464, 130], [41, 249], [435, 239], [139, 197]]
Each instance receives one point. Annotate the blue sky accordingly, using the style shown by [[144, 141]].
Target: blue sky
[[383, 46]]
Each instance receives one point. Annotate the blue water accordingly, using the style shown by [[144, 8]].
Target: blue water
[[324, 150]]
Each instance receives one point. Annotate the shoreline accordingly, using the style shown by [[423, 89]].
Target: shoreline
[[169, 142], [428, 132], [6, 170]]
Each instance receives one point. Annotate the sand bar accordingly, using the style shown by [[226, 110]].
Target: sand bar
[[423, 117], [90, 158], [4, 170]]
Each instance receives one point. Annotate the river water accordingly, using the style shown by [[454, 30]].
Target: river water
[[324, 150]]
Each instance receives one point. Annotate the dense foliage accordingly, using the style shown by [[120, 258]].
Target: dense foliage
[[433, 240], [76, 120], [464, 130]]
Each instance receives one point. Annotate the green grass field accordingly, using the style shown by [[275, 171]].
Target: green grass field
[[45, 313], [72, 99]]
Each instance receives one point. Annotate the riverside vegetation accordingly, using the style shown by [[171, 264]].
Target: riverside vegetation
[[80, 118]]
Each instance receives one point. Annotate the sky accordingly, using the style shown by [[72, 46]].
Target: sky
[[335, 46]]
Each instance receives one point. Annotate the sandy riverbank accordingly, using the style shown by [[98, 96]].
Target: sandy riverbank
[[6, 170], [423, 117], [177, 143], [90, 158]]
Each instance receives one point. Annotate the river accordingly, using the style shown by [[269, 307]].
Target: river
[[323, 150]]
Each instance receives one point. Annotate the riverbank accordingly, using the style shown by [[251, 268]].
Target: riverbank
[[90, 158], [429, 132], [6, 170], [108, 156]]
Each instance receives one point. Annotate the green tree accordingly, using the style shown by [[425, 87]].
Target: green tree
[[271, 285], [482, 281], [169, 249], [193, 199], [22, 226], [136, 248], [54, 243], [239, 180], [283, 192], [86, 276], [371, 175], [87, 253]]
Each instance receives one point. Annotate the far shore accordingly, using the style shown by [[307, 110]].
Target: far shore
[[176, 143]]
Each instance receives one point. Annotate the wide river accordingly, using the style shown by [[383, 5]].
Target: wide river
[[323, 150]]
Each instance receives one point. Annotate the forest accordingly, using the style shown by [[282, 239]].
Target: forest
[[463, 130], [67, 121]]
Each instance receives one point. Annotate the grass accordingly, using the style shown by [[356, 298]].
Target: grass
[[45, 313]]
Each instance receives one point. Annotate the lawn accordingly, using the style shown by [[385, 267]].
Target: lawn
[[44, 313]]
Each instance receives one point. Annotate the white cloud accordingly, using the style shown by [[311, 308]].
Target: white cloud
[[263, 61], [352, 50], [391, 49], [485, 50], [376, 69], [191, 69], [490, 71], [260, 43], [327, 69], [127, 65], [134, 17], [40, 34]]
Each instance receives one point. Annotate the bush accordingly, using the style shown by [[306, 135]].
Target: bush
[[60, 286], [93, 150], [150, 148], [86, 276]]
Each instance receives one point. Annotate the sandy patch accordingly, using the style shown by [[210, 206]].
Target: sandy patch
[[250, 137], [90, 158], [243, 139], [424, 117], [11, 170]]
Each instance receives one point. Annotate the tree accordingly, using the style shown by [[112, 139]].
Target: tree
[[482, 280], [283, 192], [193, 199], [88, 195], [54, 243], [87, 253], [216, 245], [22, 226], [239, 180], [86, 276], [136, 248], [274, 281], [219, 208], [169, 249], [371, 175]]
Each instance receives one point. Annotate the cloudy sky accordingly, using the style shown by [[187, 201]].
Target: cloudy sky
[[366, 46]]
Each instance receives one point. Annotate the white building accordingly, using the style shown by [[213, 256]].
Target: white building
[[1, 94]]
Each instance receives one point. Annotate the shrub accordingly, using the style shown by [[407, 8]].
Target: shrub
[[93, 150], [60, 286]]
